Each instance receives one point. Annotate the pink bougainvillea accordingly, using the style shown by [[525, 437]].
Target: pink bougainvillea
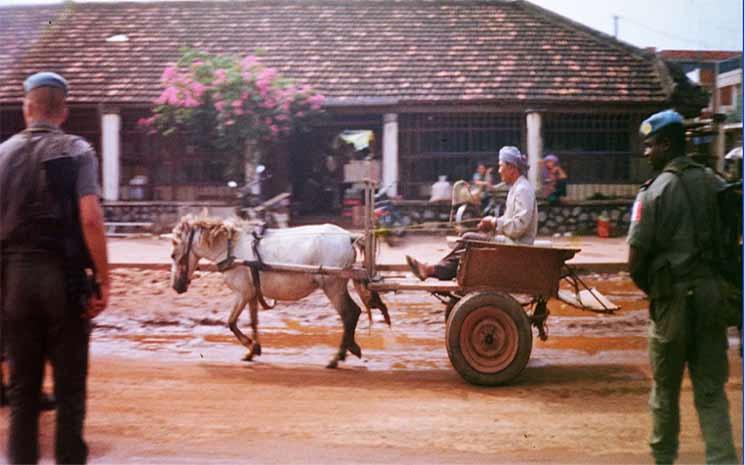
[[232, 101]]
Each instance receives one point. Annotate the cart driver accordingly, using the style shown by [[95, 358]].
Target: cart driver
[[518, 225]]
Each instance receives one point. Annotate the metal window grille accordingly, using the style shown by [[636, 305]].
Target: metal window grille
[[431, 145], [593, 147], [167, 160]]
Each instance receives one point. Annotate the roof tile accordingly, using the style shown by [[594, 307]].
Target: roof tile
[[410, 50]]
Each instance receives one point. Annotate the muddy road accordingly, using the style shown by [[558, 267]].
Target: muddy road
[[167, 386]]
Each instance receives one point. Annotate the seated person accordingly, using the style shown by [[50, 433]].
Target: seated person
[[482, 176], [554, 179], [518, 225]]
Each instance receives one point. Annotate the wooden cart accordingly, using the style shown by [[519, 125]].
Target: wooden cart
[[500, 292]]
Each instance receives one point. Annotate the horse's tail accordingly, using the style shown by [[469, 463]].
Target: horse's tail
[[358, 242], [371, 299]]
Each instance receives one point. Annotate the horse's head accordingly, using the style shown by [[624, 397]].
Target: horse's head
[[185, 260], [195, 238]]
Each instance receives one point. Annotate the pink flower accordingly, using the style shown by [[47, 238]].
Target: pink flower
[[229, 122], [219, 105], [168, 97], [220, 77], [249, 61], [191, 102], [169, 73], [197, 88], [316, 101]]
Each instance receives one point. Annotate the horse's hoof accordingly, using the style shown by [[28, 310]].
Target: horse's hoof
[[333, 364], [248, 357], [355, 349], [257, 349]]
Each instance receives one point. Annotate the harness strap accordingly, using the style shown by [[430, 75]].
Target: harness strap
[[254, 265], [229, 261]]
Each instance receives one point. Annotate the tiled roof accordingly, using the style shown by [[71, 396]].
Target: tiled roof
[[416, 51], [698, 55]]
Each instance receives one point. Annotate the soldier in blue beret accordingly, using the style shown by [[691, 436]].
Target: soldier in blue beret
[[51, 239], [673, 247], [45, 79]]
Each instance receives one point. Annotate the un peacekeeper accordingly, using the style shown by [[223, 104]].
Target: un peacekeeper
[[672, 239], [49, 187]]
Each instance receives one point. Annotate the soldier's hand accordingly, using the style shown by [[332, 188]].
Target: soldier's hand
[[97, 304]]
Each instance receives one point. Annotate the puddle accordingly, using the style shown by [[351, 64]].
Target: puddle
[[146, 317]]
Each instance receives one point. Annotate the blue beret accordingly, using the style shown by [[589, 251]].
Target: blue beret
[[45, 79], [658, 121]]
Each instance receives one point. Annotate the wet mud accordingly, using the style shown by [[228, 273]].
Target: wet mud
[[167, 385]]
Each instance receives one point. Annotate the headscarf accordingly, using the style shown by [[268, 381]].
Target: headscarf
[[551, 157], [510, 154]]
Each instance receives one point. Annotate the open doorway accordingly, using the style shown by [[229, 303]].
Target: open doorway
[[327, 167]]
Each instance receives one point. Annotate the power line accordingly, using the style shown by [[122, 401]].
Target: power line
[[669, 35]]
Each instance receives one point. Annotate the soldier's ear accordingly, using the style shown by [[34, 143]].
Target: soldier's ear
[[665, 143]]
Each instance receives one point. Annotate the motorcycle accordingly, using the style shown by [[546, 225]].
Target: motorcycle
[[275, 212], [389, 219]]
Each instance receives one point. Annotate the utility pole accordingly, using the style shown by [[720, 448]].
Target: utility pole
[[718, 124], [615, 26]]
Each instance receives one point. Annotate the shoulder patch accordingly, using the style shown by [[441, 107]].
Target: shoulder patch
[[636, 211]]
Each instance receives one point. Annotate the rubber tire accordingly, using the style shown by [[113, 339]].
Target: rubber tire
[[493, 302]]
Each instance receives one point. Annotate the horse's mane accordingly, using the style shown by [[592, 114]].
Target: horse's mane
[[214, 228]]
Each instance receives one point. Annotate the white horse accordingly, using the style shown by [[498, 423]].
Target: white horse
[[324, 245]]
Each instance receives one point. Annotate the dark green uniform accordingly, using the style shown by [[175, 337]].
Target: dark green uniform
[[686, 324]]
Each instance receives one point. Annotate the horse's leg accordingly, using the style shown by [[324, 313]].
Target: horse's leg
[[349, 311], [253, 308], [238, 306]]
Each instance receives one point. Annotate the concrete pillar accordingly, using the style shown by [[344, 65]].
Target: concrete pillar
[[534, 149], [390, 152], [111, 125]]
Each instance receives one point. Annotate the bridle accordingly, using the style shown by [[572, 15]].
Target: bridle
[[186, 256]]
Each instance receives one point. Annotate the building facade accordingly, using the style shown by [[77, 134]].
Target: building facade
[[441, 85]]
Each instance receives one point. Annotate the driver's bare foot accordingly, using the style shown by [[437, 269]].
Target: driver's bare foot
[[418, 268]]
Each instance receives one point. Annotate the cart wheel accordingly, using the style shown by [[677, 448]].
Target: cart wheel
[[488, 338]]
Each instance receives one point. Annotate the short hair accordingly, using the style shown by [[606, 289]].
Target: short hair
[[47, 101]]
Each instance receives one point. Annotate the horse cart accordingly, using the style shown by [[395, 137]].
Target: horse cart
[[500, 294]]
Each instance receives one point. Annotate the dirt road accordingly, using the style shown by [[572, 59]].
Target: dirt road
[[167, 386]]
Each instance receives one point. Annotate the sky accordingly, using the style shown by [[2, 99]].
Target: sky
[[663, 24]]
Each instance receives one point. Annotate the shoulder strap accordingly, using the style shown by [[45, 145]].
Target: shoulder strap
[[696, 233]]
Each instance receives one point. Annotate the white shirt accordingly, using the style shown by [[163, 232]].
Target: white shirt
[[519, 224]]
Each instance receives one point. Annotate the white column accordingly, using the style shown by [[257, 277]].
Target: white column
[[390, 152], [111, 124], [535, 148]]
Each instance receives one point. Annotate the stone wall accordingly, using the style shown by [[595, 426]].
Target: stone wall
[[581, 218], [577, 218], [163, 215]]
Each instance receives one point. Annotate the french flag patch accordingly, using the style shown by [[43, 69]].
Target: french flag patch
[[636, 212]]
